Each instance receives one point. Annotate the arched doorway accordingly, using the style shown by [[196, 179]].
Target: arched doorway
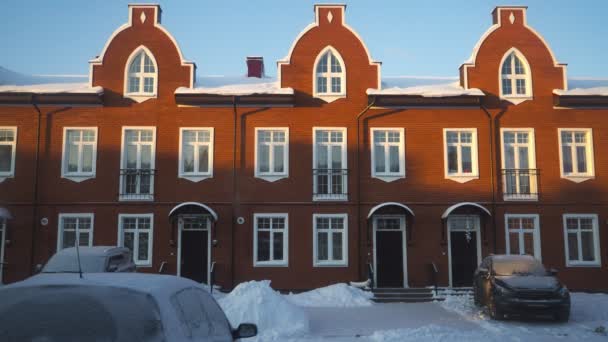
[[194, 227], [5, 215], [463, 225], [389, 229]]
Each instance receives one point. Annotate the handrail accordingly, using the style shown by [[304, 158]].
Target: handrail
[[211, 276], [371, 275], [434, 273], [162, 267]]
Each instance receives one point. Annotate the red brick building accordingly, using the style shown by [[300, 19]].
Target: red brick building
[[317, 177]]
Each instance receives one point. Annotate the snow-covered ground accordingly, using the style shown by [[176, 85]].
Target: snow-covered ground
[[343, 313]]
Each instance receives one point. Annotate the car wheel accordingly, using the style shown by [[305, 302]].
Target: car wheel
[[495, 312], [563, 316]]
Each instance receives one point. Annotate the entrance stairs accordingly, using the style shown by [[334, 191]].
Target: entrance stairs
[[416, 295]]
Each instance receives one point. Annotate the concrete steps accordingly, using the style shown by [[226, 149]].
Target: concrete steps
[[403, 295]]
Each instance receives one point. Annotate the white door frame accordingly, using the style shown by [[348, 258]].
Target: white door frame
[[2, 243], [404, 244], [477, 222], [180, 225]]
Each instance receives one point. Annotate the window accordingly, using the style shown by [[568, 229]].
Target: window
[[270, 245], [196, 153], [330, 173], [582, 240], [388, 156], [142, 74], [8, 146], [137, 163], [522, 235], [519, 164], [330, 239], [75, 229], [576, 154], [272, 153], [330, 76], [461, 154], [515, 76], [79, 153], [136, 233]]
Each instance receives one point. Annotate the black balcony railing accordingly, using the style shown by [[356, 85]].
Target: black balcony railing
[[330, 184], [520, 184], [136, 184]]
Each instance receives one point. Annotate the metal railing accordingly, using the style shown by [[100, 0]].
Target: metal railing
[[370, 271], [161, 269], [520, 184], [434, 273], [330, 184], [136, 184], [211, 277]]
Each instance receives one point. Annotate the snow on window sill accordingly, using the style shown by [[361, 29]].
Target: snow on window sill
[[516, 99], [143, 265], [388, 177], [462, 178], [330, 97], [578, 178], [78, 177], [271, 177], [330, 264], [590, 264], [270, 264], [139, 98], [195, 177]]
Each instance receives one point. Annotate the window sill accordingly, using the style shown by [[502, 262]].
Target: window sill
[[4, 177], [522, 197], [330, 97], [584, 265], [578, 179], [330, 197], [135, 197], [516, 99], [462, 178], [139, 98], [78, 178], [327, 264], [271, 177], [389, 177], [270, 264], [195, 177]]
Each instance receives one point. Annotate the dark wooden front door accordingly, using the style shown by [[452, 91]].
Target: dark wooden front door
[[389, 258], [464, 257], [194, 255]]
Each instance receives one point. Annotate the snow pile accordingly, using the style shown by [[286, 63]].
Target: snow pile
[[435, 90], [256, 302], [590, 309], [596, 91], [337, 295], [431, 332]]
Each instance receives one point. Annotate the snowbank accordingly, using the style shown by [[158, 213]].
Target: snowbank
[[337, 295], [435, 90], [256, 302]]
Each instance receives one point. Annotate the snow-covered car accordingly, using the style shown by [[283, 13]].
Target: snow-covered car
[[519, 284], [113, 307], [92, 260]]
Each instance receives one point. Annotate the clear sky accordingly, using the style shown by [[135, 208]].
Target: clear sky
[[410, 37]]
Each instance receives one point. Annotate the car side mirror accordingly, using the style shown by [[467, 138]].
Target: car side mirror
[[553, 271], [484, 272], [245, 330], [112, 268], [38, 268]]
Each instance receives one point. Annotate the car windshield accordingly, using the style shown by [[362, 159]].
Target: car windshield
[[68, 263], [518, 266], [66, 313]]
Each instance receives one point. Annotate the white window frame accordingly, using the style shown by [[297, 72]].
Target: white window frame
[[196, 175], [576, 176], [79, 175], [531, 161], [596, 242], [271, 175], [61, 228], [514, 97], [329, 96], [121, 231], [141, 95], [388, 176], [331, 197], [271, 263], [331, 261], [459, 176], [534, 231], [144, 197], [11, 173]]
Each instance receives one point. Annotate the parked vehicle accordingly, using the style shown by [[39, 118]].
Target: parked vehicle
[[519, 284], [92, 260], [113, 307]]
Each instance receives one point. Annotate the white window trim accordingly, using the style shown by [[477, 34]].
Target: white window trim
[[388, 176], [144, 197], [272, 176], [330, 262], [78, 176], [516, 98], [338, 197], [195, 176], [60, 228], [145, 263], [140, 96], [271, 263], [461, 177], [596, 242], [535, 234], [531, 161], [11, 173], [329, 96], [577, 177]]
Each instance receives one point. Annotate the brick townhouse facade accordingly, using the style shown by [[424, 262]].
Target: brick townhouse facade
[[325, 175]]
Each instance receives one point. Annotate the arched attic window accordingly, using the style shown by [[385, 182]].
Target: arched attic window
[[329, 75], [141, 75], [515, 76]]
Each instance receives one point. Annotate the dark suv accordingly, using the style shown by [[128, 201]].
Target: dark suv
[[518, 284]]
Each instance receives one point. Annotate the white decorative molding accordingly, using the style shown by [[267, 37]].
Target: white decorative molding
[[142, 17], [330, 16], [512, 18]]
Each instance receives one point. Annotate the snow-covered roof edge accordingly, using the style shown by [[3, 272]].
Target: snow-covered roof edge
[[435, 90], [53, 88], [596, 91]]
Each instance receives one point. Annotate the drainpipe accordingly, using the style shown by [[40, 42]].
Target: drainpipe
[[35, 185], [234, 189], [359, 176]]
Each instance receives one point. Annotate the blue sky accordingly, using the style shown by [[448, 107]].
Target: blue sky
[[418, 38]]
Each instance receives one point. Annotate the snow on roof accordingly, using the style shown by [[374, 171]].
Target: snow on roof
[[236, 86], [585, 87], [435, 90], [53, 88]]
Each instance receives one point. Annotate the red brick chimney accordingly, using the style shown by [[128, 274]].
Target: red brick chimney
[[255, 66]]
